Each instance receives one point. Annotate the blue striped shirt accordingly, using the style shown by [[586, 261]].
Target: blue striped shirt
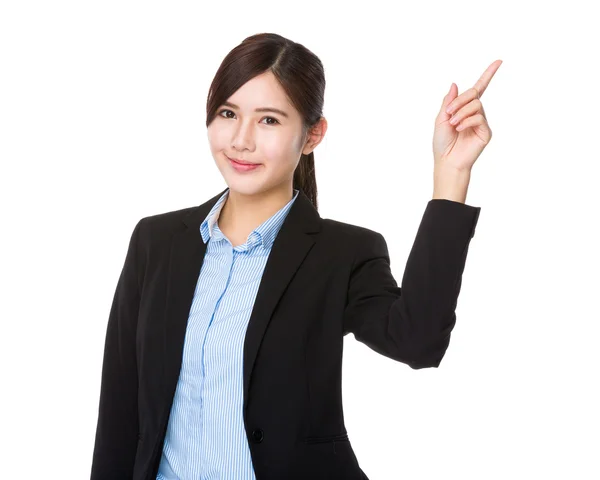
[[206, 438]]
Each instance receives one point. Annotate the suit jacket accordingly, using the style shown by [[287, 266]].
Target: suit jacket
[[323, 279]]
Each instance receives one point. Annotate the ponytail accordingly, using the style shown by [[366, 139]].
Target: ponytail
[[305, 179]]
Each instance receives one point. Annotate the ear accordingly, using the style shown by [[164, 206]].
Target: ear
[[315, 136]]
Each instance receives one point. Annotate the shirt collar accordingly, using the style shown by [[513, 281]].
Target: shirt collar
[[264, 233]]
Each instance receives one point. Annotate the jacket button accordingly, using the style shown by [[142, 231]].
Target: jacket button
[[258, 435]]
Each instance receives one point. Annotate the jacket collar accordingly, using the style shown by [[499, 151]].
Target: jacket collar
[[306, 218]]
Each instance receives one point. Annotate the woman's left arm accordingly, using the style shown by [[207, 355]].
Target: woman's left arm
[[411, 323]]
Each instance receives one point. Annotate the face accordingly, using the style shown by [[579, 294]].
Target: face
[[270, 139]]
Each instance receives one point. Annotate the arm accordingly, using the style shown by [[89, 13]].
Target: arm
[[412, 324], [117, 428]]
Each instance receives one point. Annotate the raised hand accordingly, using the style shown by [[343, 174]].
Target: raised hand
[[461, 128]]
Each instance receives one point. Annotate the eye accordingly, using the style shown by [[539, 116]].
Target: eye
[[274, 119], [225, 110]]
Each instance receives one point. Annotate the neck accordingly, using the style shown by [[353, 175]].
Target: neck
[[244, 213]]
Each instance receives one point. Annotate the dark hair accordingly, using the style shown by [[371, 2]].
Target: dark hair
[[300, 73]]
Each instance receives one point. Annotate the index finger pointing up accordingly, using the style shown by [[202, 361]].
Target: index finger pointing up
[[484, 80]]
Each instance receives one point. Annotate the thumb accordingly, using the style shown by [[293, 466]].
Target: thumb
[[451, 95]]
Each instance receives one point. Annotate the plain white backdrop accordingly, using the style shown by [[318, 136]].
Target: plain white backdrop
[[102, 122]]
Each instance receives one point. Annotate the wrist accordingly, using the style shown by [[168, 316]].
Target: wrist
[[451, 184]]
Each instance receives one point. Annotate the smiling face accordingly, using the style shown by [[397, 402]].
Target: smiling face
[[271, 139]]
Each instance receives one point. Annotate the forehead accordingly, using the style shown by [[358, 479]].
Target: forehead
[[261, 91]]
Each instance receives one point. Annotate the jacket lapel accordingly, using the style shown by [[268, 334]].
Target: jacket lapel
[[291, 245]]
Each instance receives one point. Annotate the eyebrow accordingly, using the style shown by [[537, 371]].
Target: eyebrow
[[265, 109]]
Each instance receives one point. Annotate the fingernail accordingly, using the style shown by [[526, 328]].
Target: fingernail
[[449, 109]]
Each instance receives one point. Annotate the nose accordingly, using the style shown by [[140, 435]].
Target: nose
[[242, 138]]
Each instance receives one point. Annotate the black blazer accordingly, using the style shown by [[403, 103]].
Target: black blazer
[[323, 280]]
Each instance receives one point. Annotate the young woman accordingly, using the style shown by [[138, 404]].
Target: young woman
[[223, 354]]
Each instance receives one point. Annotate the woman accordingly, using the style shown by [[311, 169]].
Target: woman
[[223, 351]]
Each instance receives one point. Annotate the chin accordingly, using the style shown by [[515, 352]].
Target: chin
[[245, 186]]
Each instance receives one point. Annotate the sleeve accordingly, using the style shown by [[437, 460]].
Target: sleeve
[[117, 427], [412, 324]]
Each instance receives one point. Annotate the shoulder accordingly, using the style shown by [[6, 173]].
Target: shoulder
[[165, 224], [348, 231], [362, 241], [171, 220], [158, 229]]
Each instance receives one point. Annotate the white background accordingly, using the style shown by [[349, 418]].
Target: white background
[[102, 122]]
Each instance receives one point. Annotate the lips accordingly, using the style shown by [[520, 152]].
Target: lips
[[240, 161]]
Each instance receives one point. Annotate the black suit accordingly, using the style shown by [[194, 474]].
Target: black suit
[[323, 279]]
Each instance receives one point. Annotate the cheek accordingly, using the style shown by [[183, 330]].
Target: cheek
[[281, 150], [217, 138]]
